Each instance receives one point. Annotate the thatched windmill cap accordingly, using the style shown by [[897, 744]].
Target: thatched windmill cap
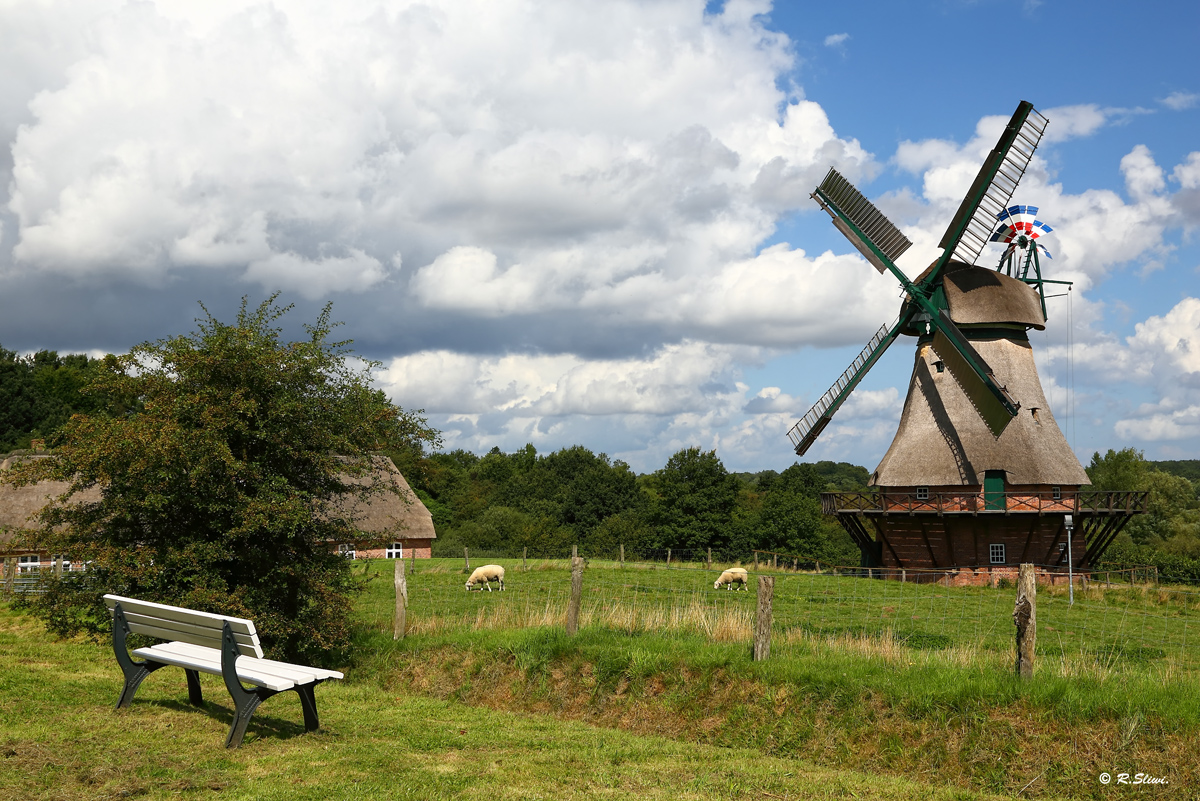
[[977, 296]]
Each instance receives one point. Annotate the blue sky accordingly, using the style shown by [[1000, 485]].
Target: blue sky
[[589, 223]]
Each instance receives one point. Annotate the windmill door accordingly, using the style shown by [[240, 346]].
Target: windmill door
[[993, 490]]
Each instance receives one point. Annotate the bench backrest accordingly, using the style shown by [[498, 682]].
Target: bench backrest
[[186, 625]]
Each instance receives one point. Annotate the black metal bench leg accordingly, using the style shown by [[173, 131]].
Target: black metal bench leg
[[308, 702], [244, 701], [134, 671], [241, 717], [193, 680]]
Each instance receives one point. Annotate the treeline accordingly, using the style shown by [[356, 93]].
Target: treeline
[[1168, 535], [39, 393], [504, 502]]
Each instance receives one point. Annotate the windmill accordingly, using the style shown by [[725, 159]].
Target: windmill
[[976, 434]]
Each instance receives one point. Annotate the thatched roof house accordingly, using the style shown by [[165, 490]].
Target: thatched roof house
[[397, 517]]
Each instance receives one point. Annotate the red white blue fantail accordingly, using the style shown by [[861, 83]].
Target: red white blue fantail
[[1022, 222]]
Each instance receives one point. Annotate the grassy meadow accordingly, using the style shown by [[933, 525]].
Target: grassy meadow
[[873, 690]]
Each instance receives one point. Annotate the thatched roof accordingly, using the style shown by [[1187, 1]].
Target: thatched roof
[[942, 441], [978, 295], [400, 514], [19, 506]]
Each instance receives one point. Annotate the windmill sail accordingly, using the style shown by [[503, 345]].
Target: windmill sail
[[875, 233], [805, 432], [994, 186]]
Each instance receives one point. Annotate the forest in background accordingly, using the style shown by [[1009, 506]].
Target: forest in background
[[548, 502]]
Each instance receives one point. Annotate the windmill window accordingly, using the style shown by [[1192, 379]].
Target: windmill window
[[940, 366], [346, 550], [922, 493], [996, 552], [1056, 493], [1037, 420], [394, 551]]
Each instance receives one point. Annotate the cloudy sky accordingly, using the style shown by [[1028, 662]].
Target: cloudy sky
[[589, 222]]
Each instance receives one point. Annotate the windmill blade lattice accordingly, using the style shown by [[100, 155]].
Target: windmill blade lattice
[[993, 188]]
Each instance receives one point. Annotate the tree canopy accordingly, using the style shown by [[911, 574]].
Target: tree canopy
[[216, 488]]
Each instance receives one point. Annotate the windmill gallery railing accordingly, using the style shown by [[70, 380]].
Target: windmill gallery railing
[[1078, 502]]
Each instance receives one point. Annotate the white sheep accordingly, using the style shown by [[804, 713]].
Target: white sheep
[[486, 575], [734, 575]]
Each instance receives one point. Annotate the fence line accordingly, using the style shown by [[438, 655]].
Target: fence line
[[1113, 620]]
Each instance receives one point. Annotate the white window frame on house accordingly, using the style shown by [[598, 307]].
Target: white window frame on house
[[922, 493], [66, 561], [394, 550], [346, 550], [996, 553], [29, 563], [1056, 493]]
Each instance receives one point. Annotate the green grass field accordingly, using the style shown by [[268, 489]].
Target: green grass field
[[873, 690], [1104, 628]]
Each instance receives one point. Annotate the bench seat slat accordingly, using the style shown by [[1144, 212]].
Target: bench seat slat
[[207, 664], [319, 673], [297, 673]]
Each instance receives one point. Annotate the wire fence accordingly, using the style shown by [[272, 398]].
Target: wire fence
[[1117, 616]]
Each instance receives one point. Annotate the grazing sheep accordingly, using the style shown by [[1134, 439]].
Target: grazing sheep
[[486, 575], [734, 575]]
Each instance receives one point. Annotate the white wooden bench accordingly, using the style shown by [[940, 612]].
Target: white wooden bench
[[204, 642]]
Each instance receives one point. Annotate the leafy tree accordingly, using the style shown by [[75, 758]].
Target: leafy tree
[[38, 393], [1172, 519], [693, 499], [216, 493]]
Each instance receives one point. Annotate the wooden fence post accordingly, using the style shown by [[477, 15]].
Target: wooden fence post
[[818, 567], [574, 553], [668, 557], [466, 560], [775, 561], [576, 595], [622, 555], [10, 571], [412, 561], [762, 619], [524, 556], [400, 621], [756, 561], [1025, 617]]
